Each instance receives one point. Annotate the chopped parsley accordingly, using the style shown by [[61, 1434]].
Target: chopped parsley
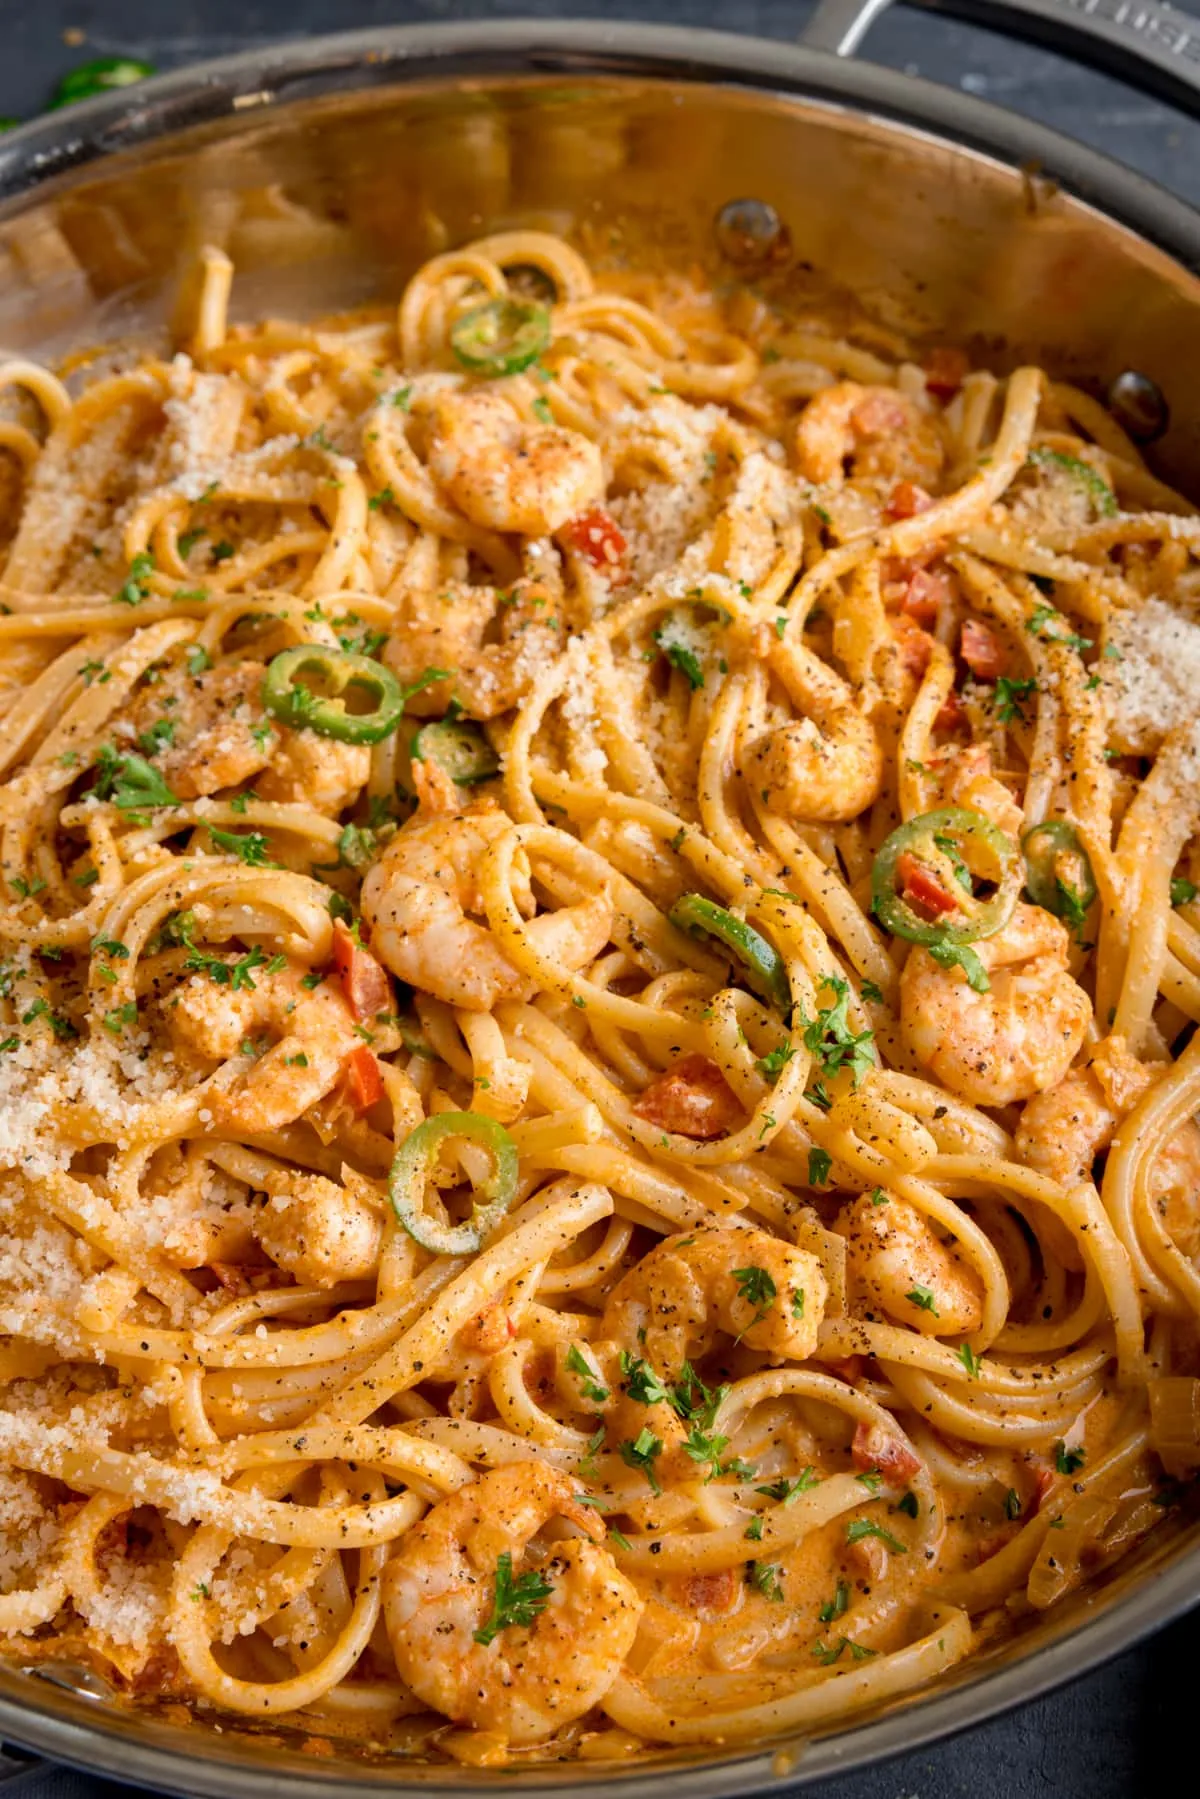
[[764, 1577], [130, 782], [755, 1286], [786, 1490], [924, 1299], [578, 1364], [819, 1163], [1008, 697], [859, 1528], [969, 1360], [1068, 1461], [249, 847], [641, 1453], [518, 1601], [961, 955], [833, 1608], [1183, 892], [831, 1042], [137, 586]]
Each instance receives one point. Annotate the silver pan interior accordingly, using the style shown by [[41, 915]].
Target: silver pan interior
[[328, 171]]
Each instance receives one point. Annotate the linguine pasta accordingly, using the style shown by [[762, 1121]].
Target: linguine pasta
[[599, 944]]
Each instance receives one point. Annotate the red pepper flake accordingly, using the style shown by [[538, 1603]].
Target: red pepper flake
[[364, 1083], [982, 650], [921, 887]]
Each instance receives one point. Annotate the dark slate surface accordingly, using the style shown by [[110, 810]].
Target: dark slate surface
[[1127, 1730]]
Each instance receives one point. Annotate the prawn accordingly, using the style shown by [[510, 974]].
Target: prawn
[[453, 628], [417, 902], [826, 766], [898, 1265], [444, 1590], [1013, 1041], [1063, 1130], [320, 1232], [767, 1293], [962, 776], [315, 1031], [208, 731], [878, 431], [506, 475]]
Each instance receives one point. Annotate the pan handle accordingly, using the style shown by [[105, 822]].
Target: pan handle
[[1138, 41]]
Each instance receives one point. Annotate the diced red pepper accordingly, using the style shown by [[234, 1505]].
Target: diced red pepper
[[907, 499], [944, 372], [693, 1099], [874, 1447], [952, 713], [982, 650], [232, 1277], [597, 535], [364, 1083], [925, 595], [365, 984], [921, 887], [915, 645]]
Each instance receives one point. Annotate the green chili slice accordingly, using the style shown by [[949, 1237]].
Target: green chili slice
[[320, 706], [459, 748], [414, 1163], [1058, 874], [954, 847], [99, 77], [1095, 486], [501, 337], [765, 972]]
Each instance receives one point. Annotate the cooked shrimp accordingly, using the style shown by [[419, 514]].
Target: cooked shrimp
[[755, 1287], [447, 627], [417, 900], [826, 766], [507, 475], [443, 1587], [867, 432], [1063, 1130], [208, 722], [315, 1031], [1013, 1041], [321, 1232], [963, 776], [214, 733], [893, 1253], [315, 771]]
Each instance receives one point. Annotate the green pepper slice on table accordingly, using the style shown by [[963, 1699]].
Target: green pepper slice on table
[[501, 337], [414, 1163], [764, 967], [100, 76]]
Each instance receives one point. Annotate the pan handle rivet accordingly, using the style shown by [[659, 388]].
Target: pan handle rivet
[[751, 234]]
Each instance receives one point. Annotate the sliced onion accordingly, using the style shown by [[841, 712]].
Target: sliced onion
[[1070, 1550]]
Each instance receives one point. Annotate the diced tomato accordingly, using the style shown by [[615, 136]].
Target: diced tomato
[[878, 414], [365, 984], [715, 1592], [922, 889], [693, 1099], [907, 499], [874, 1447], [944, 371], [982, 650], [868, 1557], [364, 1083], [951, 713], [915, 646], [597, 535], [925, 594]]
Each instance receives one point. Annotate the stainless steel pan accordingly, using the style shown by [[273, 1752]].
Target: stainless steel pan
[[330, 168]]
